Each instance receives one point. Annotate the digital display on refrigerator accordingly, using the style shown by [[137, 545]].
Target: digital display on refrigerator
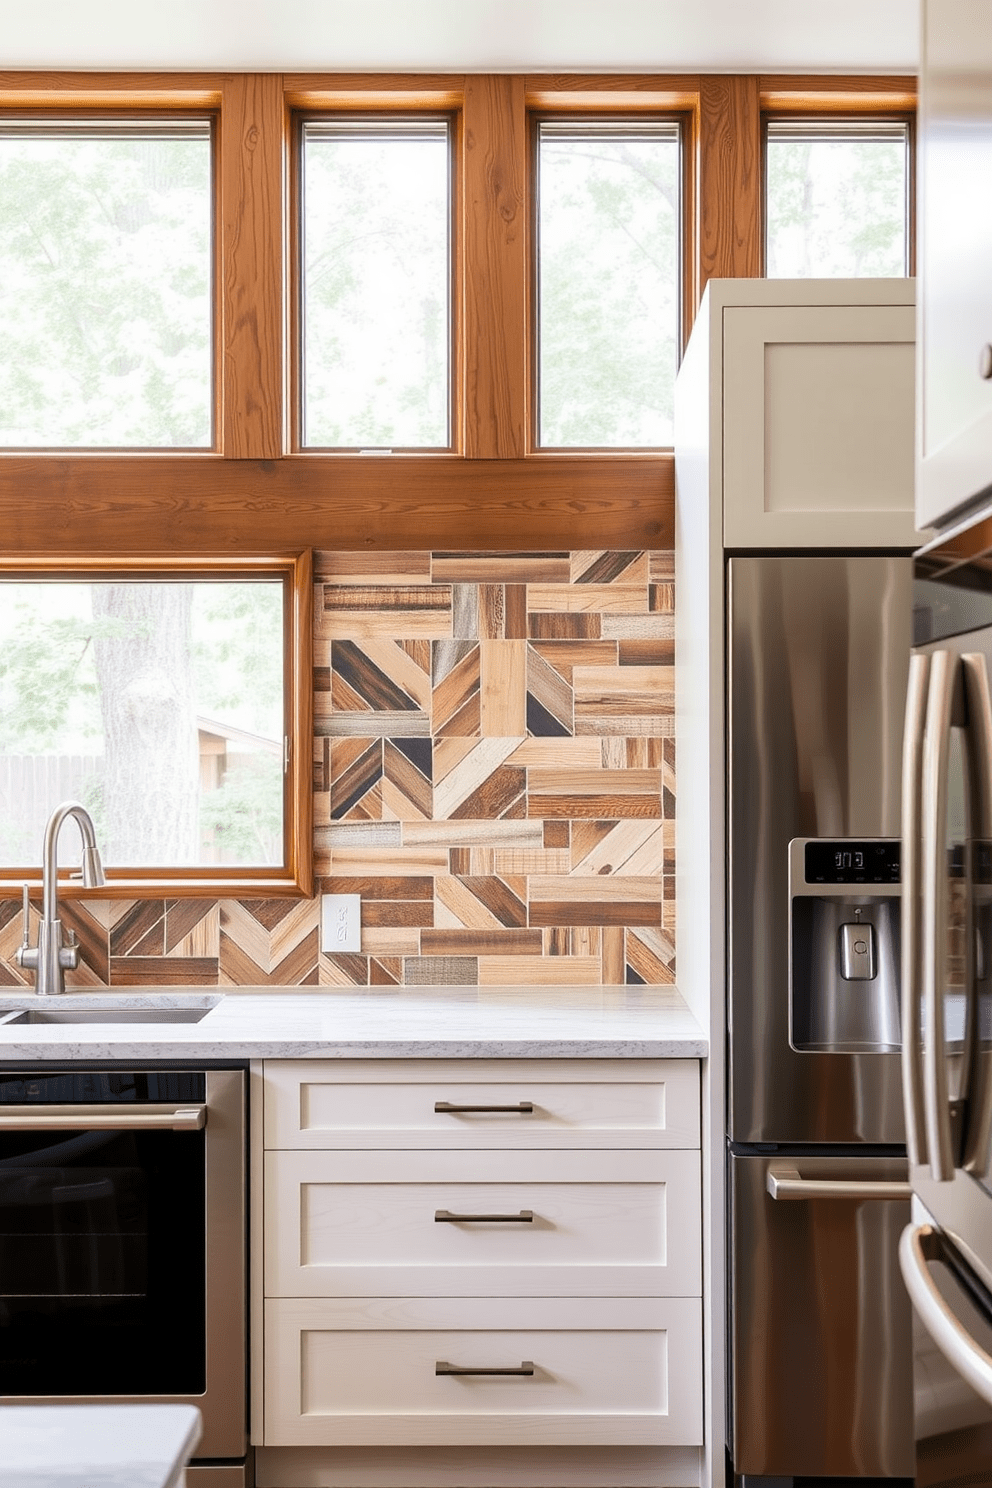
[[852, 862]]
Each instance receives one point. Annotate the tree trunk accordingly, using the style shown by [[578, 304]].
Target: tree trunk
[[151, 784]]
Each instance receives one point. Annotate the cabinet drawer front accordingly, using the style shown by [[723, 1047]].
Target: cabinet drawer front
[[337, 1378], [591, 1224], [340, 1104]]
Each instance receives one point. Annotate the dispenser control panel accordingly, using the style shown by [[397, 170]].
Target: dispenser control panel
[[852, 862]]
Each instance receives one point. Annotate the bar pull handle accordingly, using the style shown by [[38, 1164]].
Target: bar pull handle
[[103, 1118], [526, 1367], [912, 802], [944, 674], [445, 1216], [917, 1245], [787, 1183], [450, 1108], [977, 1075]]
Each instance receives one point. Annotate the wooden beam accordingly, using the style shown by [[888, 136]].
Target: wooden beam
[[494, 272], [191, 505], [729, 179], [250, 268]]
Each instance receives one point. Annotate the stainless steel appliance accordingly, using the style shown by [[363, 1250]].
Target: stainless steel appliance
[[819, 1332], [122, 1245], [946, 1252]]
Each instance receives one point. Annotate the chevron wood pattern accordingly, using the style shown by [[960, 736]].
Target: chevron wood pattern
[[494, 775]]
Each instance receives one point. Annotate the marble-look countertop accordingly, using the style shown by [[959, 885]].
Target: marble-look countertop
[[523, 1022], [96, 1446]]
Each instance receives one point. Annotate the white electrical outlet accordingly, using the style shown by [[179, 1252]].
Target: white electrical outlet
[[340, 922]]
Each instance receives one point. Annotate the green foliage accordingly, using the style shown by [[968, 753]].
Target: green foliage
[[836, 208], [105, 313], [243, 816], [50, 700], [609, 255], [47, 681], [376, 292]]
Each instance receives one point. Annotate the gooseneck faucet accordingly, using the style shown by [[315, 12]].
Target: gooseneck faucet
[[50, 959]]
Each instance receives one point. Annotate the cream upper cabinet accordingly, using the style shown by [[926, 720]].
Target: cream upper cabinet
[[954, 251], [799, 395]]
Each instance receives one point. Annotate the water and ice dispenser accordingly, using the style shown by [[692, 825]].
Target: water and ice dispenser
[[844, 960]]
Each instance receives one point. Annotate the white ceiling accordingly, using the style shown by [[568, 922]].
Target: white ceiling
[[463, 35]]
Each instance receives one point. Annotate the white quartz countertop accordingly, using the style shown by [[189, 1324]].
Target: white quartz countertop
[[522, 1022], [96, 1446]]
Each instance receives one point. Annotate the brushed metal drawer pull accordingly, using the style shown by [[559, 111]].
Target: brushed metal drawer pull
[[445, 1216], [448, 1108], [443, 1367]]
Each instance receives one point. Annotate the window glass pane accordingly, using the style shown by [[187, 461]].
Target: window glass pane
[[608, 282], [105, 284], [375, 284], [158, 705], [836, 200]]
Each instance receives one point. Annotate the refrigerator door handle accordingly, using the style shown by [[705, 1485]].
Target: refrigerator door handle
[[976, 1067], [916, 1246], [912, 801], [944, 691], [785, 1182]]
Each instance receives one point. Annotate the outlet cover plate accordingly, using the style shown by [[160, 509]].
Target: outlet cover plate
[[340, 922]]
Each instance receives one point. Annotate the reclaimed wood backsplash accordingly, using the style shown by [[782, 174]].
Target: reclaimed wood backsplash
[[494, 774]]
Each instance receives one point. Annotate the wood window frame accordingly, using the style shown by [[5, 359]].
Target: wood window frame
[[663, 107], [418, 104], [809, 98], [295, 876]]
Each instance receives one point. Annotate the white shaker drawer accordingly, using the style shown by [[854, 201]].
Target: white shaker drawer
[[583, 1372], [349, 1224], [482, 1103]]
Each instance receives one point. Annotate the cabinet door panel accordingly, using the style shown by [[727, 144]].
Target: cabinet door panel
[[600, 1374], [955, 254], [348, 1225], [818, 425], [337, 1104]]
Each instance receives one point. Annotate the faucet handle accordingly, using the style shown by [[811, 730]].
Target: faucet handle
[[26, 955]]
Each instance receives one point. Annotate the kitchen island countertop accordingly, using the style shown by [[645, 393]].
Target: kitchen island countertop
[[96, 1446], [524, 1022]]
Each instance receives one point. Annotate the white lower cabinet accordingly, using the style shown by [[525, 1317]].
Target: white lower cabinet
[[421, 1291], [594, 1371]]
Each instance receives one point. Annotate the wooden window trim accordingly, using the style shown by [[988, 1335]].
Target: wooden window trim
[[254, 495], [810, 97], [418, 104], [295, 877], [666, 108]]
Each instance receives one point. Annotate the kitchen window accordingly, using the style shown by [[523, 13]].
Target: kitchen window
[[174, 704], [375, 290], [609, 230], [106, 301], [837, 198]]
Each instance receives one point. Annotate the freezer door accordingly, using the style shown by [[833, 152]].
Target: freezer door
[[821, 1356], [818, 660]]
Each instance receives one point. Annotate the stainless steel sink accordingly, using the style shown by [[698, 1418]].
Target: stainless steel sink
[[107, 1010]]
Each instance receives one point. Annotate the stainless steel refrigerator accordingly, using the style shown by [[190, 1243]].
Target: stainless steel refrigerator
[[820, 1355], [946, 1251]]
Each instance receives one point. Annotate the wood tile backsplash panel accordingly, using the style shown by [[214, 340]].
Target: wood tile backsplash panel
[[494, 774]]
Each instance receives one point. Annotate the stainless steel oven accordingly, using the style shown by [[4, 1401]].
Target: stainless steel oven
[[123, 1244]]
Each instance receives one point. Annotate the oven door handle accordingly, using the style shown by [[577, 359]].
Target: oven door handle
[[102, 1118], [917, 1245], [784, 1182]]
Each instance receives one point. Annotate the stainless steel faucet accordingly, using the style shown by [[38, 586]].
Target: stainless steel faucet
[[50, 959]]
